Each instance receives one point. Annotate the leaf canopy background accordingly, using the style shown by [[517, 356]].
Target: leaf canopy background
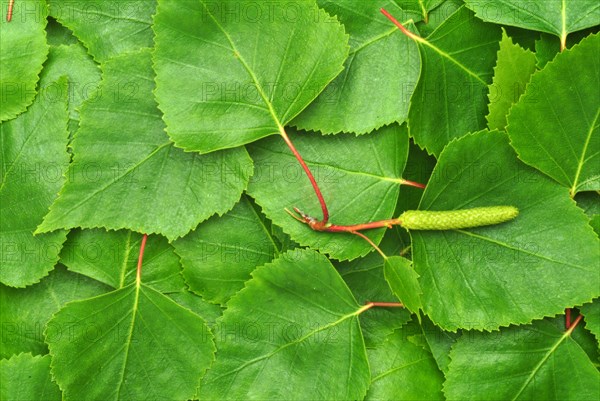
[[170, 119]]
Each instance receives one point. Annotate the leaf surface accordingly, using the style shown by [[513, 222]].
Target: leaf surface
[[457, 67], [404, 282], [24, 50], [521, 363], [275, 335], [132, 343], [439, 342], [33, 159], [111, 257], [59, 35], [107, 28], [380, 73], [24, 312], [595, 223], [559, 17], [220, 254], [133, 177], [25, 377], [589, 202], [82, 73], [513, 71], [436, 15], [251, 66], [209, 312], [422, 6], [555, 127], [359, 177], [509, 273], [365, 278], [591, 313], [401, 370]]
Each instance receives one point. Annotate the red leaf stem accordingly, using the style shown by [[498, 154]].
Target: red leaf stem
[[140, 259], [9, 14]]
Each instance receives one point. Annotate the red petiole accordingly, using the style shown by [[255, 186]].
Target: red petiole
[[334, 228], [313, 182], [574, 324], [138, 277], [9, 14], [386, 304]]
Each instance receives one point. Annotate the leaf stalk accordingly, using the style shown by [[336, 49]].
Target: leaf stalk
[[9, 13], [138, 277]]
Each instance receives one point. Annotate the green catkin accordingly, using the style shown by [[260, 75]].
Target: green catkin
[[457, 219]]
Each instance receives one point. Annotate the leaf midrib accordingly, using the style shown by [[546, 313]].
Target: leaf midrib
[[247, 68], [289, 344], [360, 173], [397, 368], [446, 55], [129, 338], [584, 152], [24, 147], [508, 246], [541, 363], [42, 229]]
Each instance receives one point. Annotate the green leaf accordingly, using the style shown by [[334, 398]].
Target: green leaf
[[437, 15], [555, 127], [548, 46], [514, 272], [595, 223], [220, 255], [33, 160], [59, 35], [133, 177], [418, 169], [209, 312], [365, 278], [513, 70], [251, 66], [111, 257], [584, 338], [522, 37], [421, 6], [538, 361], [82, 73], [359, 176], [401, 370], [557, 17], [379, 77], [294, 322], [25, 312], [439, 341], [107, 28], [26, 378], [589, 202], [130, 344], [591, 313], [24, 49], [404, 282], [449, 101]]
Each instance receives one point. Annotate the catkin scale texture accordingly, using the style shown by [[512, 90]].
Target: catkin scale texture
[[457, 219]]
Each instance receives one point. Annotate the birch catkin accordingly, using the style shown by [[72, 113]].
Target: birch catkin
[[456, 219]]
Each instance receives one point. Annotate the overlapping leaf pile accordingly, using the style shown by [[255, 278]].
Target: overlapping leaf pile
[[166, 118]]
